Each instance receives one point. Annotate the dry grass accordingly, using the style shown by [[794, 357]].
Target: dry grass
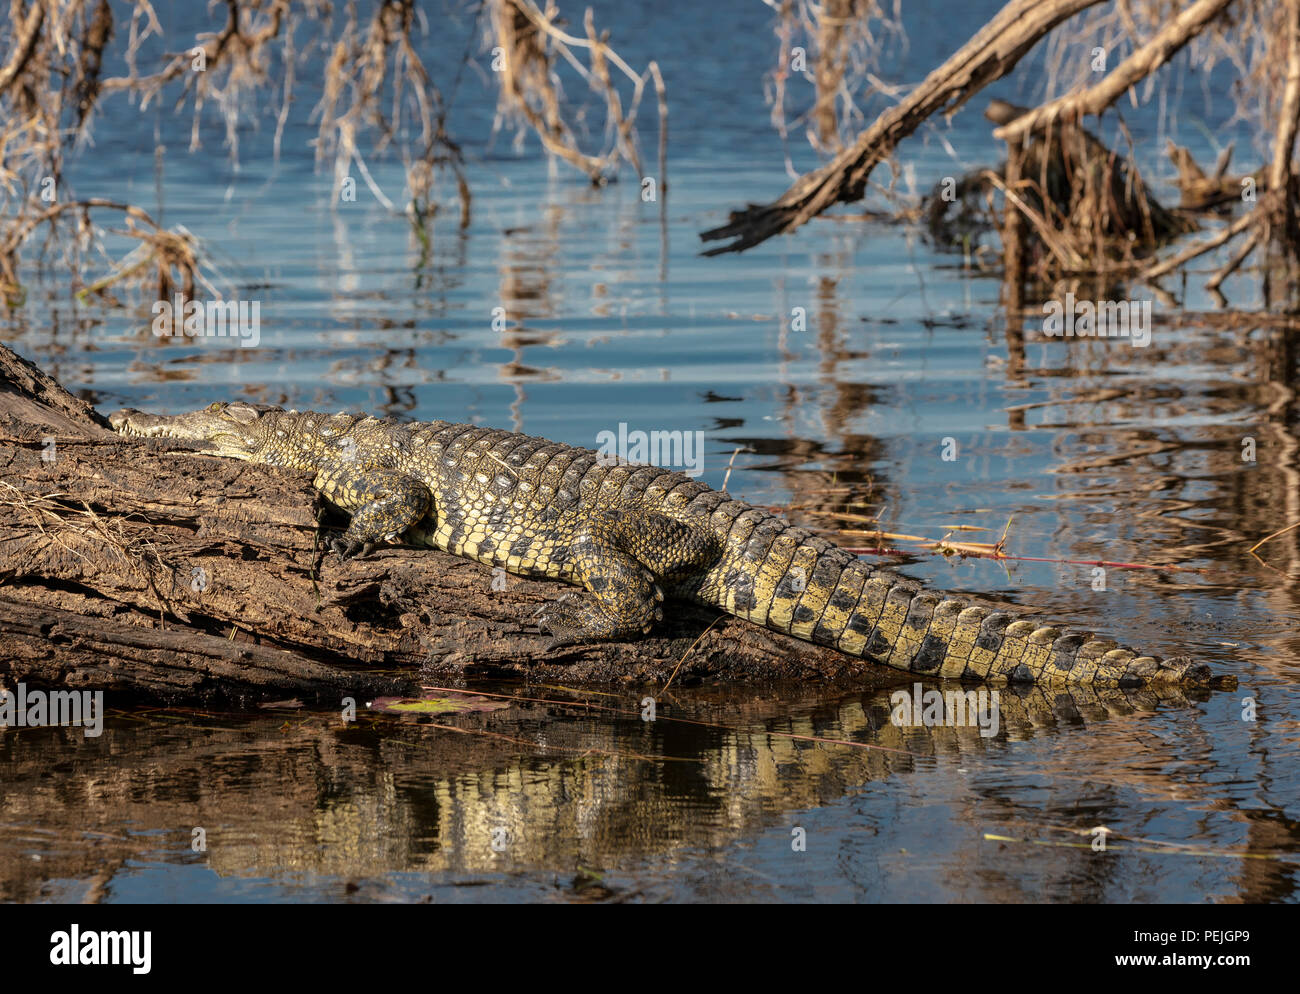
[[528, 47], [374, 82], [376, 98], [75, 526], [50, 88], [842, 42]]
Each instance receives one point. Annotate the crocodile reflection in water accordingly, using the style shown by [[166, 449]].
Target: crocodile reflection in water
[[387, 796]]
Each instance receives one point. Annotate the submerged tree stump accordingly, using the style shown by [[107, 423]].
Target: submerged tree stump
[[147, 569]]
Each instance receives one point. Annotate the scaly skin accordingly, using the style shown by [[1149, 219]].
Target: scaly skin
[[631, 534]]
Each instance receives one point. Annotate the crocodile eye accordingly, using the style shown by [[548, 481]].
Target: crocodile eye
[[215, 407]]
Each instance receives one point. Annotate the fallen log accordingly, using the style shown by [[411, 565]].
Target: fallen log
[[149, 570]]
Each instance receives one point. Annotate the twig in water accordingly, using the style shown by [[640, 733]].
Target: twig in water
[[688, 652], [1281, 531]]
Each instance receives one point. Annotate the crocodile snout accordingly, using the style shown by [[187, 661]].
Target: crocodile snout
[[120, 420], [129, 421]]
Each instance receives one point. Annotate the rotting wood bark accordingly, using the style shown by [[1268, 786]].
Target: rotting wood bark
[[153, 571]]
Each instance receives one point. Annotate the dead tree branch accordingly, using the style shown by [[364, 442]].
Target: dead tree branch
[[991, 54], [1137, 67]]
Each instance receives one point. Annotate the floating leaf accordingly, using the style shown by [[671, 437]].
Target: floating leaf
[[436, 704]]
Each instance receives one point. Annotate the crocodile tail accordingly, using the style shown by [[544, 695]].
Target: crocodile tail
[[822, 594]]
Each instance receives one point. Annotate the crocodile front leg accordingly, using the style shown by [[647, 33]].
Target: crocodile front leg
[[383, 503], [620, 558], [625, 599]]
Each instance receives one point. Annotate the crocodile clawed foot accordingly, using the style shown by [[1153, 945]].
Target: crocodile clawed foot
[[562, 622], [574, 621], [351, 548], [562, 636], [560, 642]]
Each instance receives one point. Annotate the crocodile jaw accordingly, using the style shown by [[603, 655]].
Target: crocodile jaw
[[215, 432]]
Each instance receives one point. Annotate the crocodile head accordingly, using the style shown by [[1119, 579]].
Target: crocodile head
[[237, 430]]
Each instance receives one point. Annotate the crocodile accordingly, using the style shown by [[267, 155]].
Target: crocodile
[[633, 535]]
